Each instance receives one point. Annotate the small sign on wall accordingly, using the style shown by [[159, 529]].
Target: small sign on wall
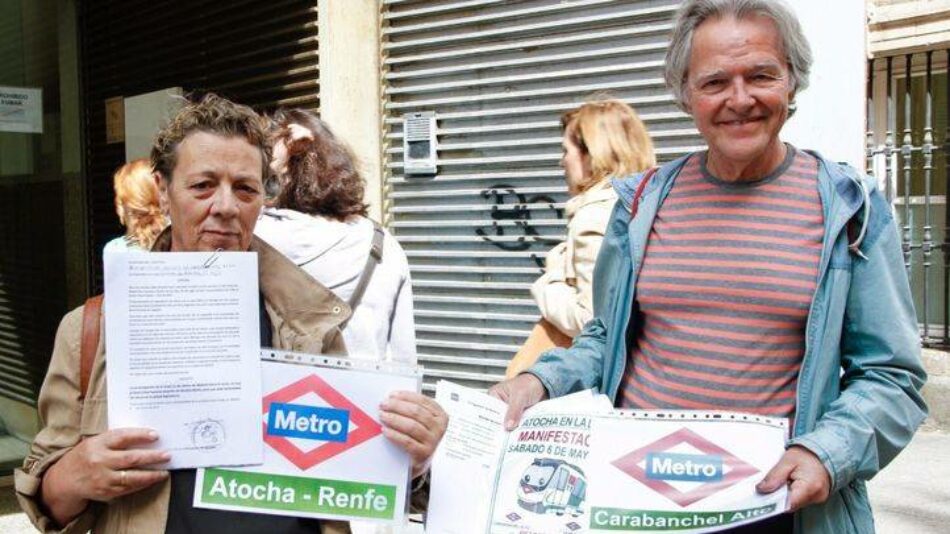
[[21, 109], [115, 120]]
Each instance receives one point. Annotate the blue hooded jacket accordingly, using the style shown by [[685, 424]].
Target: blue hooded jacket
[[858, 399]]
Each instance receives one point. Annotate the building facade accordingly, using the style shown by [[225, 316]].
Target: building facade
[[481, 83]]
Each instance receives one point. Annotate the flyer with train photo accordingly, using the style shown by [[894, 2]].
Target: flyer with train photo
[[578, 465]]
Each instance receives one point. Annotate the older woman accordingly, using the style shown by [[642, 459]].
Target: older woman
[[209, 162], [754, 277]]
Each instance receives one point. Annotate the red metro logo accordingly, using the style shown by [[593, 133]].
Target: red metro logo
[[684, 478], [288, 420]]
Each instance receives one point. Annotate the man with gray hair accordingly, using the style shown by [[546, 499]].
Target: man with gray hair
[[753, 276]]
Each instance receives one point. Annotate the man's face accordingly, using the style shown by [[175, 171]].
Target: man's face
[[739, 88], [215, 193]]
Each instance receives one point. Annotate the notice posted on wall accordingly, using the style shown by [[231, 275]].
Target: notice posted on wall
[[21, 109], [325, 455], [576, 465]]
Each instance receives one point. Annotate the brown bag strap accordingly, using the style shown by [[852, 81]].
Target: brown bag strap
[[91, 314]]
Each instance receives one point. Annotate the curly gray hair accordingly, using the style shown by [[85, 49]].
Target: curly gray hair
[[694, 12]]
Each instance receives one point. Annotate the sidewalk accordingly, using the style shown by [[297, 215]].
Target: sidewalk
[[911, 496]]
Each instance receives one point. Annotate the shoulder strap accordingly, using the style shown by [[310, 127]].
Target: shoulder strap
[[635, 205], [91, 315], [375, 257]]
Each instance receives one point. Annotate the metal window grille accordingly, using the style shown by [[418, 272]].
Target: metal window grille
[[908, 151], [498, 75]]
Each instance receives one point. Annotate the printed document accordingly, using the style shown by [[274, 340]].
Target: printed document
[[183, 346], [575, 464]]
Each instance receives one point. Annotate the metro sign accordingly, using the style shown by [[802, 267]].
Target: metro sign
[[702, 469], [366, 427]]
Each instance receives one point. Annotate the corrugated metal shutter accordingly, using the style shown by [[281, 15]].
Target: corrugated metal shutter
[[498, 74], [263, 54], [32, 285]]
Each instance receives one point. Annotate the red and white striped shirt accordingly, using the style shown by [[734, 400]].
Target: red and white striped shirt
[[724, 292]]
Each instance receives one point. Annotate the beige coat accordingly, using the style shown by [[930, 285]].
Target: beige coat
[[305, 317], [564, 292]]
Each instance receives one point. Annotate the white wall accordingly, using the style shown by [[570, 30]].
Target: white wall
[[831, 112]]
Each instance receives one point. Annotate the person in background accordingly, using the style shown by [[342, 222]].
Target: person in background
[[210, 160], [138, 206], [602, 140], [319, 221], [754, 277]]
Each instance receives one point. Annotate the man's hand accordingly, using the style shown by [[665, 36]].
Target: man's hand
[[808, 480], [101, 468], [416, 423], [521, 393]]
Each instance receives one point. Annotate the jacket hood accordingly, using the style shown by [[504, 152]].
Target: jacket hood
[[301, 237]]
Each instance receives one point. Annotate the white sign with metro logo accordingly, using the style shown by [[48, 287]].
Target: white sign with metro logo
[[324, 455], [683, 471]]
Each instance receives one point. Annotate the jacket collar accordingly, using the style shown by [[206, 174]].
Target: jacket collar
[[839, 178], [306, 305], [599, 192], [626, 187]]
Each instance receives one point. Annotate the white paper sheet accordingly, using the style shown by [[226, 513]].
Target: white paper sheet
[[466, 463], [183, 346]]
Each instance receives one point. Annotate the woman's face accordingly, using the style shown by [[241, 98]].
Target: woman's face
[[215, 193], [576, 164]]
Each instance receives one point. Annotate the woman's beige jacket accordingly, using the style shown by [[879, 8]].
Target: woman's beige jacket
[[564, 292], [305, 317]]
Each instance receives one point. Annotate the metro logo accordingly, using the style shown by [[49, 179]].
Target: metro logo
[[689, 467], [660, 468], [307, 422], [365, 427]]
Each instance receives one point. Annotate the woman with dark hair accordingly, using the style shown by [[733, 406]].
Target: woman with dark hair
[[318, 220]]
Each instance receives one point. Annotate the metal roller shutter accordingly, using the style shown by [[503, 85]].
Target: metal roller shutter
[[263, 54], [498, 74]]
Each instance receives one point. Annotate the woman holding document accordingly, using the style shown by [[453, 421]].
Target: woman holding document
[[209, 162]]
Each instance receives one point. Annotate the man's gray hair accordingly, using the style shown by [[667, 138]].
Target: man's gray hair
[[694, 12]]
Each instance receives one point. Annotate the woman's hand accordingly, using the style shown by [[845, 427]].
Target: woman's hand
[[416, 423], [101, 468]]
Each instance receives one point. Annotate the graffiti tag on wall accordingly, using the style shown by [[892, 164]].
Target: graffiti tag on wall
[[510, 205]]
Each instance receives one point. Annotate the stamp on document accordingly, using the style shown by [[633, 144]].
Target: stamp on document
[[207, 434]]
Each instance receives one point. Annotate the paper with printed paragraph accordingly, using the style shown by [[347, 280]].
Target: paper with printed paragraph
[[581, 466], [325, 455], [183, 339]]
